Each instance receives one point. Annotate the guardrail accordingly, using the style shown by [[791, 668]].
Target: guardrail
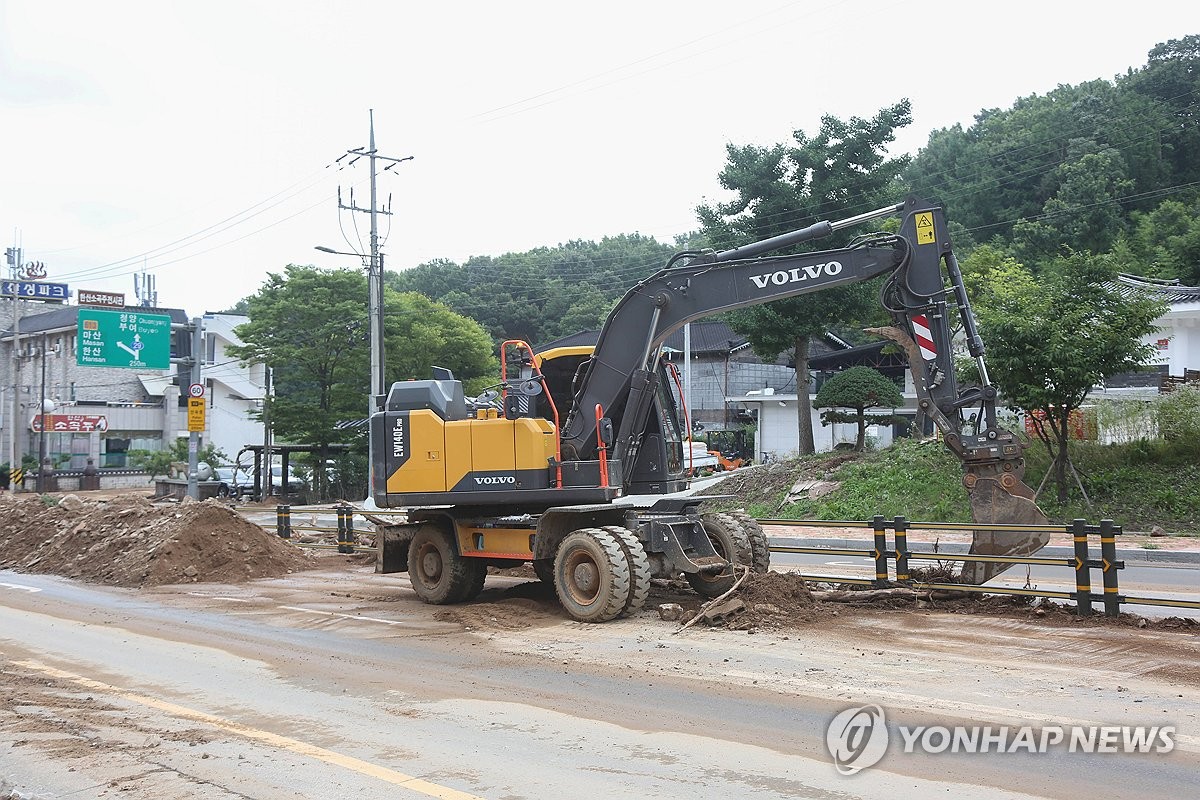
[[347, 535], [1080, 562]]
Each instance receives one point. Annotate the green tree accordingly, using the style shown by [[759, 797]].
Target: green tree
[[158, 462], [1165, 242], [859, 389], [420, 334], [1051, 339], [843, 169], [543, 293]]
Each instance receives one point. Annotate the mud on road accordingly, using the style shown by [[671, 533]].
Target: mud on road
[[993, 660]]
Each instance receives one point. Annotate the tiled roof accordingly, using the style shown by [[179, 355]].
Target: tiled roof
[[1170, 290]]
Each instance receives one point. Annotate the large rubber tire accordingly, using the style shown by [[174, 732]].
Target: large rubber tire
[[639, 567], [591, 575], [544, 569], [729, 540], [760, 546], [439, 575]]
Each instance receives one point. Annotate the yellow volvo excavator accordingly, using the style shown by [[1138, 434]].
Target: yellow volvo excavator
[[574, 461]]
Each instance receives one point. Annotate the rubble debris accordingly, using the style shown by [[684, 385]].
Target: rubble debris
[[670, 612]]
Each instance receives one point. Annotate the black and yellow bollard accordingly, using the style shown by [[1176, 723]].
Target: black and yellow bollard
[[341, 529], [900, 527], [351, 539], [1083, 575], [283, 521], [881, 558], [1110, 565]]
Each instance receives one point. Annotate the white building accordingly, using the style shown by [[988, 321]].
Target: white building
[[102, 413], [1176, 340]]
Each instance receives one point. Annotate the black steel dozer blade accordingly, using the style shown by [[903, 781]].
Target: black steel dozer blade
[[992, 503]]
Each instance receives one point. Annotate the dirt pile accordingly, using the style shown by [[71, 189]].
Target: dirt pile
[[129, 541], [768, 484]]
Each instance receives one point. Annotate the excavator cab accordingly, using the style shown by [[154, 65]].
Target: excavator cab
[[659, 465]]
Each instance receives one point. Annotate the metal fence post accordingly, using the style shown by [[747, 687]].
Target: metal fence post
[[283, 522], [881, 558], [1083, 576], [1108, 556], [901, 533]]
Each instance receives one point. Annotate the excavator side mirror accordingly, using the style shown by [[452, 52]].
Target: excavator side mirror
[[604, 429]]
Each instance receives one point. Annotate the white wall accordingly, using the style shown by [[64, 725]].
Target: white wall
[[778, 434], [235, 390], [1179, 328]]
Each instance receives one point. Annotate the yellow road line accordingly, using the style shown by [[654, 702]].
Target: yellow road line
[[274, 740]]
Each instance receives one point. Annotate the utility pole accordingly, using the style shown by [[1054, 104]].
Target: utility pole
[[375, 260], [264, 482], [13, 255], [193, 480]]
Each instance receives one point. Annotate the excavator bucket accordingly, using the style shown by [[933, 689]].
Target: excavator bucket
[[998, 497], [993, 504]]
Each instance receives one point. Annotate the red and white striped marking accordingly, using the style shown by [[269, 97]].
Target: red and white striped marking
[[924, 337]]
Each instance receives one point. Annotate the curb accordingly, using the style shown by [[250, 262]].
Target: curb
[[1127, 554]]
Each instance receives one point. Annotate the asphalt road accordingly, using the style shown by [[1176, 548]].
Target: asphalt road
[[342, 684]]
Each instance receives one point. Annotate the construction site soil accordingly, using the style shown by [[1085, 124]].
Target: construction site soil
[[129, 541], [126, 540]]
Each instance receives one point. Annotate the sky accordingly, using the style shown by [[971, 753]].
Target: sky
[[198, 142]]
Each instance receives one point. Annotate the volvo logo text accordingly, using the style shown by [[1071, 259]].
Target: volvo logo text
[[797, 274], [492, 480]]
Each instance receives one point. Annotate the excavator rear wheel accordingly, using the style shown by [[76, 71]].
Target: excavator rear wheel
[[639, 567], [439, 575], [731, 542], [591, 575]]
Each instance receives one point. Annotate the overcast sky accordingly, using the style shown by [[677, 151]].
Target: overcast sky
[[194, 140]]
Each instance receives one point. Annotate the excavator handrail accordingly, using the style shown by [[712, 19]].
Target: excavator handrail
[[537, 371]]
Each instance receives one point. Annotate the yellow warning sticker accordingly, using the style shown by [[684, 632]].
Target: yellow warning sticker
[[925, 231]]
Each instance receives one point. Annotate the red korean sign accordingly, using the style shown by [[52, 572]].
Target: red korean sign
[[69, 423]]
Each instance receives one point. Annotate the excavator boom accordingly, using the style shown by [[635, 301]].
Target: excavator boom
[[927, 300]]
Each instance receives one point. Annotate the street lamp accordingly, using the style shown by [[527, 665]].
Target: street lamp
[[375, 315]]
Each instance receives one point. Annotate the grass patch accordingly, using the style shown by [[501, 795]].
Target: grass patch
[[919, 480], [1137, 485]]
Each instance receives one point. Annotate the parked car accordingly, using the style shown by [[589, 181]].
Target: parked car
[[295, 483], [233, 482]]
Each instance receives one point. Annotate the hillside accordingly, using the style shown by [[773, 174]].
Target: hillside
[[1139, 486]]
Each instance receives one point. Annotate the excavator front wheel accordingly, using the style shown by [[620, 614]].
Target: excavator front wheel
[[731, 542], [591, 575], [760, 546], [439, 575]]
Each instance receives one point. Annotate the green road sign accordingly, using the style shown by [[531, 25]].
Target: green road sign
[[127, 338]]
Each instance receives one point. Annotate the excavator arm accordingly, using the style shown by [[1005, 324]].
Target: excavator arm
[[923, 288]]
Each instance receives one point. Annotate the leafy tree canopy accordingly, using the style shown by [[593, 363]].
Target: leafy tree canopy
[[1052, 338], [310, 326], [842, 170], [542, 294], [857, 388]]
